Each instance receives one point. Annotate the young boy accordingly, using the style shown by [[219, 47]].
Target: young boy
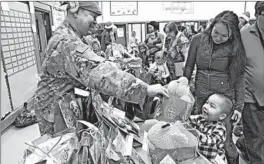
[[210, 126], [160, 69]]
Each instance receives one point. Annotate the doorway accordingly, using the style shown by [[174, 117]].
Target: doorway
[[121, 35], [44, 32]]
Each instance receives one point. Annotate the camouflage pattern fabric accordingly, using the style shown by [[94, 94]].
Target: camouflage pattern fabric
[[69, 63]]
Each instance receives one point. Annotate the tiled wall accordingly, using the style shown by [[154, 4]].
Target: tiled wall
[[17, 41]]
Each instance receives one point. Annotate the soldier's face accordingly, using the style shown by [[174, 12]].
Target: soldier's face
[[86, 22]]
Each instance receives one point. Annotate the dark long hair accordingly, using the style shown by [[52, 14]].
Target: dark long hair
[[238, 55], [172, 27]]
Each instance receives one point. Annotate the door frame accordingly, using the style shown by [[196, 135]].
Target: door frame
[[125, 26]]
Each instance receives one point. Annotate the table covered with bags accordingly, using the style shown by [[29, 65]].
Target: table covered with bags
[[125, 133], [165, 139]]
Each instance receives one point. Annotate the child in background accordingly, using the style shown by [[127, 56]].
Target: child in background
[[97, 49], [159, 69], [154, 44], [143, 54], [211, 128]]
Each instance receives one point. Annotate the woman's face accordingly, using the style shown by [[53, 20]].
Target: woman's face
[[150, 28], [170, 34], [220, 33]]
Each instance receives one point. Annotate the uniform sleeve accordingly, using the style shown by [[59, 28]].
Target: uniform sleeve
[[216, 137], [106, 77], [191, 60]]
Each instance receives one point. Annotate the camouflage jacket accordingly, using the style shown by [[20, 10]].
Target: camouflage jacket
[[70, 63]]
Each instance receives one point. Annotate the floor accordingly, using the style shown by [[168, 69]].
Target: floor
[[13, 143]]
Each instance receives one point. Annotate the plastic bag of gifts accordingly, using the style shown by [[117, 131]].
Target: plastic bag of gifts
[[169, 143], [47, 149], [179, 105]]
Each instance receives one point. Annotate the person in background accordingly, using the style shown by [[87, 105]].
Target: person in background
[[193, 30], [113, 33], [244, 20], [159, 69], [97, 49], [252, 143], [167, 39], [154, 40], [243, 23], [201, 28], [219, 55], [209, 22], [143, 54], [133, 39], [106, 38], [211, 126], [174, 51], [70, 63]]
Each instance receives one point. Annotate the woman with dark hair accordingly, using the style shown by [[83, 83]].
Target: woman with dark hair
[[154, 40], [175, 48], [219, 55]]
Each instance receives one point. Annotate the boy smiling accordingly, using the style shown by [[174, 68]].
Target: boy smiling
[[210, 126]]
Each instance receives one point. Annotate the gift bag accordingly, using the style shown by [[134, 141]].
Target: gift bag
[[179, 105], [53, 150], [171, 143]]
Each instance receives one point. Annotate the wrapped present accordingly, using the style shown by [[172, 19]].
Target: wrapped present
[[171, 143], [179, 105]]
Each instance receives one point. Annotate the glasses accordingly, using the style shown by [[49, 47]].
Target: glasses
[[91, 13]]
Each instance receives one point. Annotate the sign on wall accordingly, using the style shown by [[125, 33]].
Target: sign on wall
[[179, 7], [123, 8]]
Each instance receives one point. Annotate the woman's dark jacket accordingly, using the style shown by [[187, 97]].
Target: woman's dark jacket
[[212, 63]]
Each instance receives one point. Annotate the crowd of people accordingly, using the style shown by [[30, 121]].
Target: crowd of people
[[226, 57]]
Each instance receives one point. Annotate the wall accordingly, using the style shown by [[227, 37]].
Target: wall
[[148, 11], [18, 47]]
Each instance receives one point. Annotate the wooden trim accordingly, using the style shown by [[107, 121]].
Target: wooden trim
[[42, 7], [141, 32]]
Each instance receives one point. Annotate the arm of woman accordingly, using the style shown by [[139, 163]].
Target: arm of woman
[[191, 59], [240, 99]]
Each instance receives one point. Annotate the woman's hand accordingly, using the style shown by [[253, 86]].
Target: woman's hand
[[157, 89]]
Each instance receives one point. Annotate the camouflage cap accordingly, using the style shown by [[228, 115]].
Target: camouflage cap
[[90, 6]]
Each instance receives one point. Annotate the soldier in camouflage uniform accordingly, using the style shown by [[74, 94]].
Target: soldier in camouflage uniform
[[70, 63]]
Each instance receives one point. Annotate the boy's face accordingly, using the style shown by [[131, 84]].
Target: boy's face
[[142, 49], [212, 109], [152, 35], [159, 58]]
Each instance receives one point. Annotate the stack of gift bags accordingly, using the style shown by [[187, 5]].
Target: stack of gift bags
[[114, 139]]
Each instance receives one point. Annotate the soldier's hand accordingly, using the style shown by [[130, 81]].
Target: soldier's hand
[[157, 89]]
